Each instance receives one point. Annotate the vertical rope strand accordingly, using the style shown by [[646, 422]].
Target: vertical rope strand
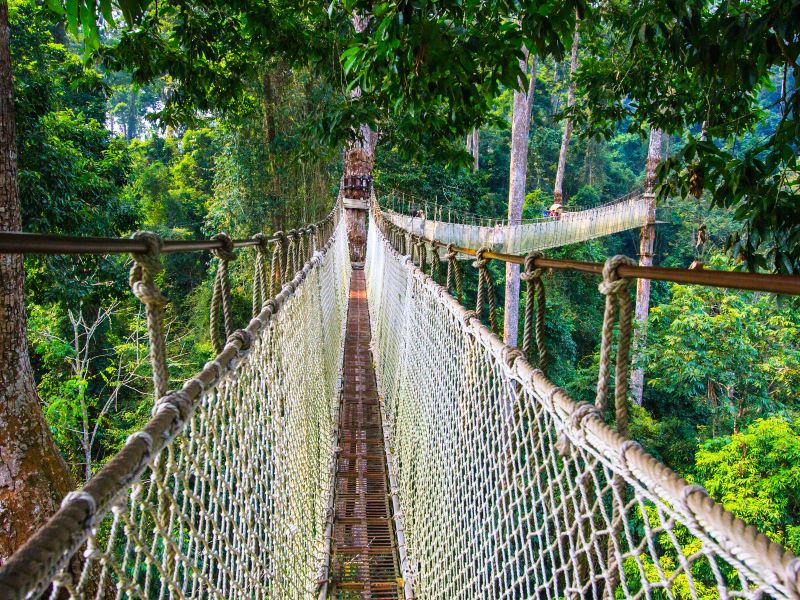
[[290, 259], [454, 273], [534, 294], [260, 286], [485, 288], [145, 289], [618, 299], [276, 268], [435, 262], [221, 296]]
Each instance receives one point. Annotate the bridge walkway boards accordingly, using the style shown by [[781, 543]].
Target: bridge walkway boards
[[363, 547]]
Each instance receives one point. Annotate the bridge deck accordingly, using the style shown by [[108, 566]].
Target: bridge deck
[[363, 550]]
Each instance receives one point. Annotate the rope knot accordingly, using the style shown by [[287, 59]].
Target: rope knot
[[145, 265], [451, 253], [148, 262], [244, 337], [510, 355], [480, 262], [531, 272], [263, 242], [86, 498], [626, 447], [467, 316], [226, 251], [612, 283]]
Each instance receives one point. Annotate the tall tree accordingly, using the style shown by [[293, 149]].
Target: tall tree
[[646, 243], [357, 173], [558, 188], [476, 149], [33, 475], [520, 128]]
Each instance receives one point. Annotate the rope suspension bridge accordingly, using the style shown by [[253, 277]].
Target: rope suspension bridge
[[367, 436], [631, 211]]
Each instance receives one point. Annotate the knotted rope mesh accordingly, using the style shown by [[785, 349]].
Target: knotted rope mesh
[[511, 490], [225, 492]]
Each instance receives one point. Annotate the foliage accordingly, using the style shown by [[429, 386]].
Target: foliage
[[190, 118], [698, 70], [729, 355], [756, 475]]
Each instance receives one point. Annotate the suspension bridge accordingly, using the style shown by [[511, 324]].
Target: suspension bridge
[[367, 436], [632, 211]]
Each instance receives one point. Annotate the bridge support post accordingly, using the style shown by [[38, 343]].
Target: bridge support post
[[356, 190], [646, 244]]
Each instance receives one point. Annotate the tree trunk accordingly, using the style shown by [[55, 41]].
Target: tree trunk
[[33, 476], [646, 243], [269, 108], [131, 125], [520, 128], [558, 188], [476, 149], [358, 164]]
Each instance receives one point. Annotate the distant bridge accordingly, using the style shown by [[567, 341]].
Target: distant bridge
[[629, 212]]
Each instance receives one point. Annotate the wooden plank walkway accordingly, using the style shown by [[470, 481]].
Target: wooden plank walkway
[[363, 549]]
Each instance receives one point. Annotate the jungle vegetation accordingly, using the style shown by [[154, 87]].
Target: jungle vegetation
[[191, 118]]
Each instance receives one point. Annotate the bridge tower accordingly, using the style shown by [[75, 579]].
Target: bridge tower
[[356, 190]]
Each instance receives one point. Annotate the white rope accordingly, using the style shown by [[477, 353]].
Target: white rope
[[503, 486], [230, 493]]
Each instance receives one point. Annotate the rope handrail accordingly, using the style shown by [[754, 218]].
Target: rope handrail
[[549, 498], [170, 496], [757, 282]]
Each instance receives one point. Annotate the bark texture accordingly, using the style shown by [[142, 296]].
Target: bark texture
[[33, 475], [646, 244], [558, 187], [520, 128]]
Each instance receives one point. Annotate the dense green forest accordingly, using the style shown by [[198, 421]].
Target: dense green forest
[[105, 149]]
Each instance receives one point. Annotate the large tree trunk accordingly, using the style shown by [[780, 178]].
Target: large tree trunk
[[646, 243], [520, 128], [33, 476], [558, 187]]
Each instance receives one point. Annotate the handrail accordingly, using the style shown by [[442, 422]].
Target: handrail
[[757, 282], [17, 242], [13, 242]]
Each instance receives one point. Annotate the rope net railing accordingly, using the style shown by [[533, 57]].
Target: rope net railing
[[629, 212], [511, 490], [225, 492]]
